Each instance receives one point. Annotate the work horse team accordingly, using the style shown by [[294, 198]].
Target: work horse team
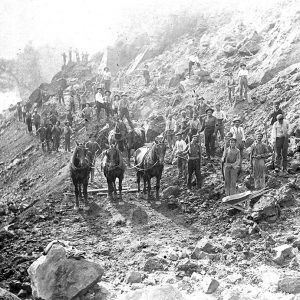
[[148, 163]]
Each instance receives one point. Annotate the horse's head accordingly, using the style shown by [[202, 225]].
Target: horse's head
[[111, 156], [81, 154], [160, 151]]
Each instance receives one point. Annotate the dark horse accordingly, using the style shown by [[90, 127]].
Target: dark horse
[[113, 167], [135, 140], [118, 136], [80, 169], [149, 162]]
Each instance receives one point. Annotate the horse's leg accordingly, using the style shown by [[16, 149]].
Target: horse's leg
[[145, 184], [79, 189], [149, 186], [138, 181], [114, 186], [120, 185], [157, 186], [76, 196], [85, 195], [128, 156], [109, 189]]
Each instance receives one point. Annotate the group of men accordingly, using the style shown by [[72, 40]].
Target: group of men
[[84, 57], [187, 148]]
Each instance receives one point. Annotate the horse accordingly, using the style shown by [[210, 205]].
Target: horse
[[113, 167], [118, 136], [80, 169], [149, 162], [135, 140]]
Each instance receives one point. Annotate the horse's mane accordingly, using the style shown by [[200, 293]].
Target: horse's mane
[[75, 160]]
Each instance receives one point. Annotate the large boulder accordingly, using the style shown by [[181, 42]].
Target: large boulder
[[289, 284], [54, 276], [251, 45], [5, 295], [165, 292], [172, 190], [229, 50]]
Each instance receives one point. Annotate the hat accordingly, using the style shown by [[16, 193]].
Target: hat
[[209, 109], [178, 133], [107, 92], [106, 68], [117, 95], [229, 134], [242, 64], [259, 133], [279, 117], [232, 138], [99, 88], [195, 136], [218, 104], [236, 119], [124, 95], [67, 122]]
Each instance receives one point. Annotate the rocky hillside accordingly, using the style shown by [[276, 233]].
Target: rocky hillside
[[189, 246]]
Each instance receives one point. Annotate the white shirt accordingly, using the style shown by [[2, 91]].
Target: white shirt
[[179, 146], [106, 75], [99, 98], [220, 115], [194, 59], [238, 132], [243, 72], [279, 130]]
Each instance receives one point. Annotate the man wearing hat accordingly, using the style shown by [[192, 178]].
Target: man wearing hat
[[95, 149], [107, 103], [178, 149], [123, 109], [231, 160], [99, 102], [42, 134], [231, 84], [36, 120], [239, 135], [243, 80], [169, 131], [201, 108], [259, 152], [193, 151], [221, 117], [115, 104], [280, 137], [276, 111], [183, 125], [67, 132], [106, 78], [194, 126], [209, 126]]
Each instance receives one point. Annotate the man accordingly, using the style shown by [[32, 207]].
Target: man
[[70, 118], [99, 102], [106, 78], [94, 148], [49, 140], [60, 95], [123, 109], [36, 121], [67, 134], [56, 133], [194, 157], [64, 59], [72, 100], [146, 75], [42, 134], [19, 111], [170, 130], [201, 108], [87, 115], [259, 152], [209, 128], [70, 55], [77, 55], [231, 84], [107, 103], [24, 111], [231, 159], [115, 104], [28, 119], [280, 137], [53, 118], [243, 80], [194, 126], [239, 135], [276, 111], [183, 125], [221, 117], [193, 59], [178, 149]]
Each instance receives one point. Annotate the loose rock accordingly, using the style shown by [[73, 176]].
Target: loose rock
[[209, 285]]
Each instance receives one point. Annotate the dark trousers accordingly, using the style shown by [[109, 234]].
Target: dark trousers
[[48, 144], [100, 106], [43, 145], [61, 99], [194, 166], [191, 63], [72, 106], [220, 128], [231, 92], [107, 85], [209, 143], [24, 117], [56, 142], [68, 143], [29, 125], [20, 115], [147, 80], [281, 148], [37, 126], [243, 87], [125, 113]]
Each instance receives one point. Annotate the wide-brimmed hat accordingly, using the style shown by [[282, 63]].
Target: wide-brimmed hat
[[236, 119], [117, 95], [106, 68], [232, 138], [229, 134], [195, 136], [178, 133], [209, 109], [124, 95], [107, 92], [242, 64], [99, 88], [259, 133], [279, 117]]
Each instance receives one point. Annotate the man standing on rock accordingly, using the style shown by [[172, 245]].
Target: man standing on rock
[[280, 139], [36, 121], [243, 80], [183, 125], [194, 158], [107, 103], [49, 141], [64, 59], [178, 149], [42, 134], [87, 115], [259, 152], [231, 160], [201, 108], [107, 78], [95, 149], [170, 131], [28, 119], [99, 101], [67, 134], [221, 117], [56, 133], [276, 111], [60, 95], [123, 109], [209, 126], [239, 135], [194, 126]]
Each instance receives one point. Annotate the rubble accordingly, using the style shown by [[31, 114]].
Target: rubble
[[5, 295], [283, 252], [289, 284], [209, 285]]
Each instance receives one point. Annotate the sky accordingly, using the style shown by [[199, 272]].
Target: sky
[[88, 25]]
